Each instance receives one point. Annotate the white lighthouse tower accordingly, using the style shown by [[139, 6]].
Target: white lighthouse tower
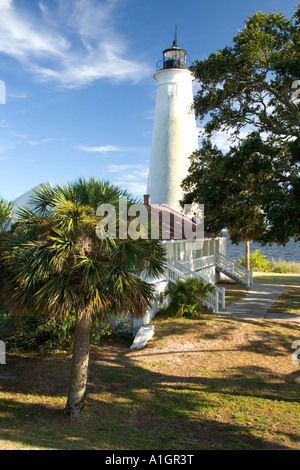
[[175, 135]]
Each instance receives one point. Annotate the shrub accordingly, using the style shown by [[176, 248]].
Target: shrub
[[43, 333], [100, 331], [187, 297], [258, 262], [284, 267], [7, 323]]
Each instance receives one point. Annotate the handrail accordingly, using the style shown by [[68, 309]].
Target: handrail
[[231, 261], [189, 271], [212, 300], [237, 269], [198, 264]]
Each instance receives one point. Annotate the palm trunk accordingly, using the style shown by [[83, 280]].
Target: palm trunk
[[80, 363], [247, 254]]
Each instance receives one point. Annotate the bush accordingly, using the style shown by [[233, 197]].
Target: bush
[[187, 298], [43, 333], [122, 331], [100, 331], [284, 267], [7, 323], [258, 262]]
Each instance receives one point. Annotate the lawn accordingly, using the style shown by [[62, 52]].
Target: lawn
[[288, 302], [233, 291], [275, 278], [209, 383]]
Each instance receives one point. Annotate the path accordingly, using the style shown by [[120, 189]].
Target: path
[[256, 304]]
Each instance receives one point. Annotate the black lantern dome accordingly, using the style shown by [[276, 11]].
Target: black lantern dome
[[174, 57]]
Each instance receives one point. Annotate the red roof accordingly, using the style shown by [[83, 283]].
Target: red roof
[[172, 225]]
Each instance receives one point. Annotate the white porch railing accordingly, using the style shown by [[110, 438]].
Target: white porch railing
[[199, 263], [212, 300], [231, 268]]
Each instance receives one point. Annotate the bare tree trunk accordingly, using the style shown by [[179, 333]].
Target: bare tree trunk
[[80, 363], [247, 254]]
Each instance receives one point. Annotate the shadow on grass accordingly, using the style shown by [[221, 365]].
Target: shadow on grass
[[270, 341], [130, 407], [166, 326]]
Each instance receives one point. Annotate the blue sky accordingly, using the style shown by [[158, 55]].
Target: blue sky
[[80, 94]]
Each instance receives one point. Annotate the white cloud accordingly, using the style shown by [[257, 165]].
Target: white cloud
[[4, 147], [135, 169], [134, 188], [43, 141], [72, 42], [132, 177], [111, 148], [16, 95], [100, 149]]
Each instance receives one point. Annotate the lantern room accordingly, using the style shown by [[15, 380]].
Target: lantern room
[[174, 57]]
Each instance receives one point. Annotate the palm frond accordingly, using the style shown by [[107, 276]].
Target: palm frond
[[56, 261]]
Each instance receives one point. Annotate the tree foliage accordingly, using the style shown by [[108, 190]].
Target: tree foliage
[[250, 82], [246, 90], [55, 263], [5, 218], [187, 297], [226, 185]]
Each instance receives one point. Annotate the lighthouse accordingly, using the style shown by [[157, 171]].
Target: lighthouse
[[175, 135]]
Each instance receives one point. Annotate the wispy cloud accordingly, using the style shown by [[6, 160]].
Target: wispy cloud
[[100, 149], [47, 140], [16, 95], [38, 142], [111, 148], [134, 188], [4, 124], [131, 170], [130, 176], [4, 147], [72, 42]]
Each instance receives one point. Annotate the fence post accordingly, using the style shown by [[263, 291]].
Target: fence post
[[223, 297], [217, 302]]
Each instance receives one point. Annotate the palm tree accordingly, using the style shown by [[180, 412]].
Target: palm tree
[[5, 217], [56, 262], [5, 225]]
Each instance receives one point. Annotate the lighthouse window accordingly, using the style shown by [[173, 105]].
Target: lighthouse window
[[175, 54], [174, 57], [173, 90]]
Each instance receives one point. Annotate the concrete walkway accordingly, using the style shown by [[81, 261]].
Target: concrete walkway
[[255, 305]]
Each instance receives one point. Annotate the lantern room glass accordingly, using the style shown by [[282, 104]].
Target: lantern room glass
[[174, 57]]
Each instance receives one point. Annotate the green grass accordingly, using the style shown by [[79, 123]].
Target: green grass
[[206, 383], [233, 291], [232, 386], [276, 278], [288, 302]]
